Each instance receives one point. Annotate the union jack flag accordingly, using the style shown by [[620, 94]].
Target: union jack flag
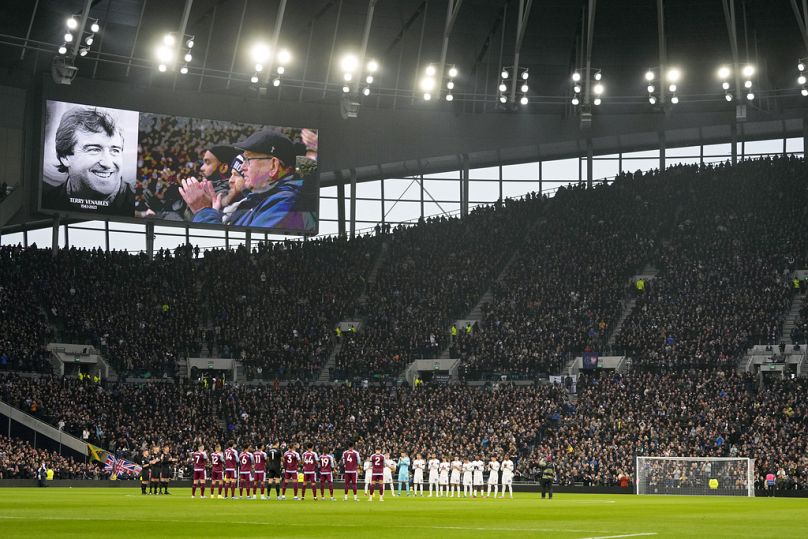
[[115, 466]]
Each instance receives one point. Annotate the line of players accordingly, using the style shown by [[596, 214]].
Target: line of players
[[258, 468]]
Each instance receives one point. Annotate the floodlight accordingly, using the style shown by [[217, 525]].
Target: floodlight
[[750, 96], [427, 96], [449, 97], [254, 79], [94, 28], [598, 75], [276, 82], [503, 99], [168, 40], [187, 57], [347, 77], [523, 101], [502, 87], [804, 92], [62, 50], [598, 89], [673, 75], [161, 68], [72, 23], [430, 70], [650, 88], [69, 37], [427, 84], [450, 85], [280, 70], [801, 66], [366, 91], [369, 79], [190, 43], [576, 77], [725, 85], [747, 84], [525, 75], [723, 72], [504, 74], [373, 66], [345, 89], [675, 100], [284, 56], [83, 51], [88, 40], [672, 88], [575, 100], [260, 53], [748, 71], [577, 88], [184, 70], [164, 54], [728, 97], [597, 101], [349, 63], [652, 99], [649, 75], [523, 88], [453, 72], [259, 67], [801, 79]]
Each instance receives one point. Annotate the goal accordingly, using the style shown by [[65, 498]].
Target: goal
[[696, 476]]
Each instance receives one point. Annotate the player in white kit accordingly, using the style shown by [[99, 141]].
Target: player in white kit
[[493, 476], [454, 479], [478, 476], [418, 465], [368, 475], [389, 466], [443, 477], [468, 472], [507, 475], [434, 465]]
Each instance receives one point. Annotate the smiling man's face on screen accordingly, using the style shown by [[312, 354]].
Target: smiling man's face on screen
[[95, 165]]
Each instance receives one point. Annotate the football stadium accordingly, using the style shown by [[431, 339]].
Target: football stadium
[[395, 268]]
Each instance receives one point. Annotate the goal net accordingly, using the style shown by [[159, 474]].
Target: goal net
[[696, 476]]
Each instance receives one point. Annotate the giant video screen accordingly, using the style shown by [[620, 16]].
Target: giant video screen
[[101, 162]]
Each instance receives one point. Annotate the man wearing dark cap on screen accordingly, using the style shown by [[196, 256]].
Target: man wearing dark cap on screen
[[272, 188], [216, 163]]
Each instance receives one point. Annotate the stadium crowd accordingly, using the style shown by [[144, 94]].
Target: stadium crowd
[[594, 441], [20, 460], [434, 274]]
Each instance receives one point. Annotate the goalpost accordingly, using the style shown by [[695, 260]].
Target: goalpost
[[696, 476]]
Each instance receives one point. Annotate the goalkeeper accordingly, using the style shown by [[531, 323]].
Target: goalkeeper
[[547, 476]]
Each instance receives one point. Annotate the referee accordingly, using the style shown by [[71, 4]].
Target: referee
[[144, 461], [274, 456], [547, 476]]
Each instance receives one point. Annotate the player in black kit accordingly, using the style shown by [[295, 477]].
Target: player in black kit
[[156, 466], [274, 456]]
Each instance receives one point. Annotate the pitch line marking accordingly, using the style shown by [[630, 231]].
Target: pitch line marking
[[618, 536]]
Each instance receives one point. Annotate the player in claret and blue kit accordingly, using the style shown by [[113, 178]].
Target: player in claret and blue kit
[[200, 460], [245, 469], [291, 460], [326, 475], [310, 462], [377, 465], [350, 465], [260, 460]]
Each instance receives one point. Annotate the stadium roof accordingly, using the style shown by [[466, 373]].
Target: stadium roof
[[406, 35]]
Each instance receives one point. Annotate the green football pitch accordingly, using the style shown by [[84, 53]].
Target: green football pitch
[[102, 512]]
